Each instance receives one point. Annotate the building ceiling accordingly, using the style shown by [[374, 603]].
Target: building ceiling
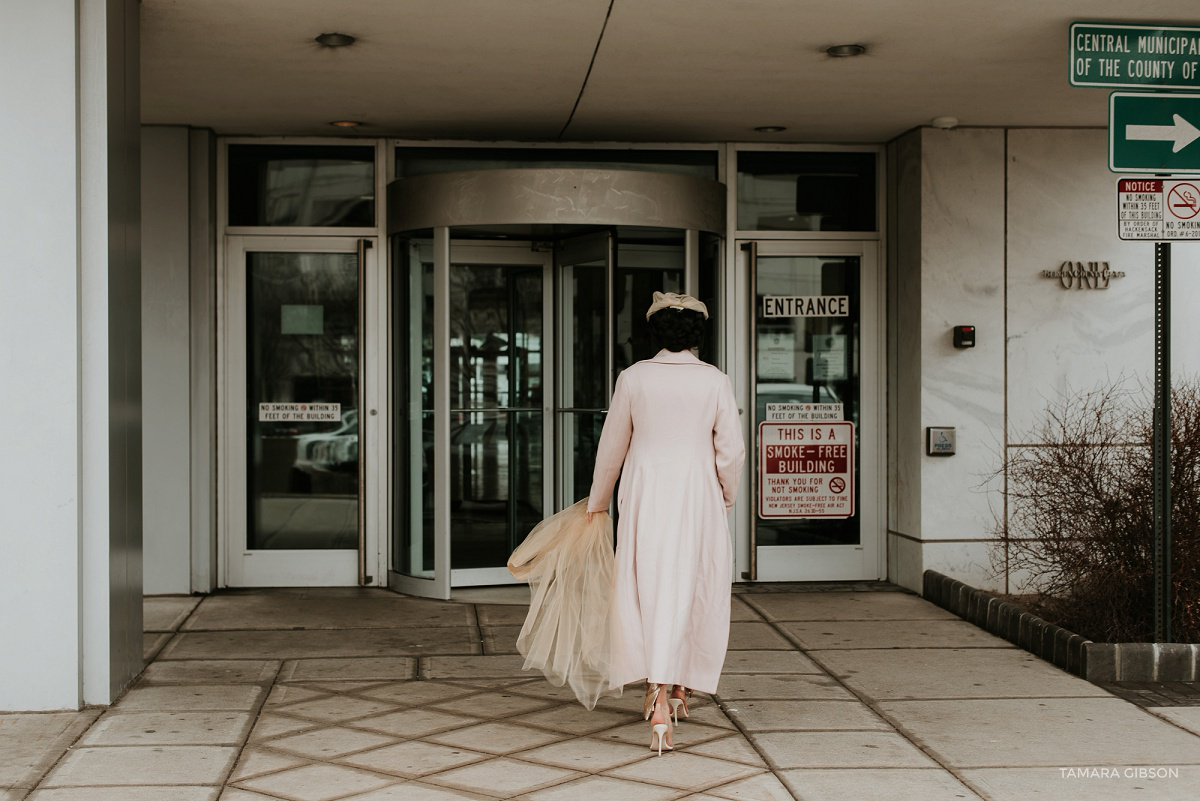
[[664, 70]]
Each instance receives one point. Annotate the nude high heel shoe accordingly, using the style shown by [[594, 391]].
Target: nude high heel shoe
[[655, 710], [679, 700]]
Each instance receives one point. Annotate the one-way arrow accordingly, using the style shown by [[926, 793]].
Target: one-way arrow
[[1181, 132]]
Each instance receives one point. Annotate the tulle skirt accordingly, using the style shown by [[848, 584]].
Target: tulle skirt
[[568, 632]]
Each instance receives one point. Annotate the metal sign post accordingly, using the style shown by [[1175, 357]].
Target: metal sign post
[[1151, 133], [1163, 596]]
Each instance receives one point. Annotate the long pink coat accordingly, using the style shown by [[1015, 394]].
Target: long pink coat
[[673, 423]]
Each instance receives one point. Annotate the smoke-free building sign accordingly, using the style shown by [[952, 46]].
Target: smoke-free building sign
[[805, 470]]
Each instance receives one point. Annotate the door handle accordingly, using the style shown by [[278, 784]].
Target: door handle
[[363, 578]]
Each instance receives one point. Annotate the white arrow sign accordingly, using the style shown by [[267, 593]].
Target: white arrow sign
[[1181, 132]]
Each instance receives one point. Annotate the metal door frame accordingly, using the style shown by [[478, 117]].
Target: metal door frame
[[315, 568], [445, 578], [866, 561], [564, 263]]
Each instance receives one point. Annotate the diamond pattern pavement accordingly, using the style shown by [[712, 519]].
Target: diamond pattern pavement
[[825, 696]]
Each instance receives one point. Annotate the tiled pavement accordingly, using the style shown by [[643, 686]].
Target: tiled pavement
[[365, 695]]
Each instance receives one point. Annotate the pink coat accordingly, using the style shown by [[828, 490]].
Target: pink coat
[[674, 436]]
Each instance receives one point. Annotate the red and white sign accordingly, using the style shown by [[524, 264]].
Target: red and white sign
[[805, 470], [1154, 209]]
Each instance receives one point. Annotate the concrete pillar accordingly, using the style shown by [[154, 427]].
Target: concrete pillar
[[946, 268], [70, 355]]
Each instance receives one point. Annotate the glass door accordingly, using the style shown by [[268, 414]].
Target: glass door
[[606, 282], [585, 358], [471, 382], [296, 410], [499, 392], [499, 427], [816, 452]]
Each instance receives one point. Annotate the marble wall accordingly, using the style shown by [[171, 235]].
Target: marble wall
[[995, 208], [946, 269]]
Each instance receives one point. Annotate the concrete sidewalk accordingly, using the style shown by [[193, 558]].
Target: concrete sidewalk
[[316, 695]]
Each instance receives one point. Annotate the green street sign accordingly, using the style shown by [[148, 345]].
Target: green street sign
[[1135, 56], [1151, 132]]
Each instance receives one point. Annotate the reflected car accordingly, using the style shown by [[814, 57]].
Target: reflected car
[[330, 452]]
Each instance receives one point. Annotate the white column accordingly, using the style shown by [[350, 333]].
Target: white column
[[39, 362], [70, 490]]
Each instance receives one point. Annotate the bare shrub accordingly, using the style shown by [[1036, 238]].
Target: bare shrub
[[1080, 514]]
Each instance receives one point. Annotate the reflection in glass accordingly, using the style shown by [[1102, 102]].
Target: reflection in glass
[[413, 474], [496, 480], [583, 372], [641, 270], [302, 185], [583, 432], [806, 191], [808, 360], [495, 336], [302, 347], [710, 296], [496, 417], [583, 276]]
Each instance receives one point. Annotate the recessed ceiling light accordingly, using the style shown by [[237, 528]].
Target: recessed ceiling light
[[770, 129], [345, 124], [846, 50], [945, 123], [335, 39]]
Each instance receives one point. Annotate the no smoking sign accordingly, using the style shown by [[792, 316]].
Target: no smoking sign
[[1158, 210], [1183, 201]]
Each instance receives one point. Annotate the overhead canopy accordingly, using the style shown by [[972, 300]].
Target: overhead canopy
[[664, 70]]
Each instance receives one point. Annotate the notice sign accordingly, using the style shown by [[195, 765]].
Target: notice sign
[[804, 412], [806, 306], [829, 357], [299, 412], [777, 355], [805, 470], [1155, 209]]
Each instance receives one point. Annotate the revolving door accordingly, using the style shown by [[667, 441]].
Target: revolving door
[[516, 298]]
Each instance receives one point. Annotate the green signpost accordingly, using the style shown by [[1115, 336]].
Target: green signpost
[[1150, 133], [1135, 56], [1153, 132]]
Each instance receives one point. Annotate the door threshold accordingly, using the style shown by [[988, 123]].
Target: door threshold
[[513, 594]]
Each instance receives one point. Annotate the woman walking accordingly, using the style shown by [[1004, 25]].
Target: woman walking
[[674, 437]]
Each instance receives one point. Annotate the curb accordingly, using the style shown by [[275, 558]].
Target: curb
[[1094, 661]]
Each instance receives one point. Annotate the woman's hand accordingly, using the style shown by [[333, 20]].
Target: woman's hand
[[590, 516]]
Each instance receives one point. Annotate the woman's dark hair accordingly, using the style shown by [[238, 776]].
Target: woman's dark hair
[[677, 329]]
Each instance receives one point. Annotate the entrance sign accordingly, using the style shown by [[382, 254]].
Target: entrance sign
[[1158, 210], [299, 412], [806, 470], [806, 306], [1153, 132], [1135, 56]]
